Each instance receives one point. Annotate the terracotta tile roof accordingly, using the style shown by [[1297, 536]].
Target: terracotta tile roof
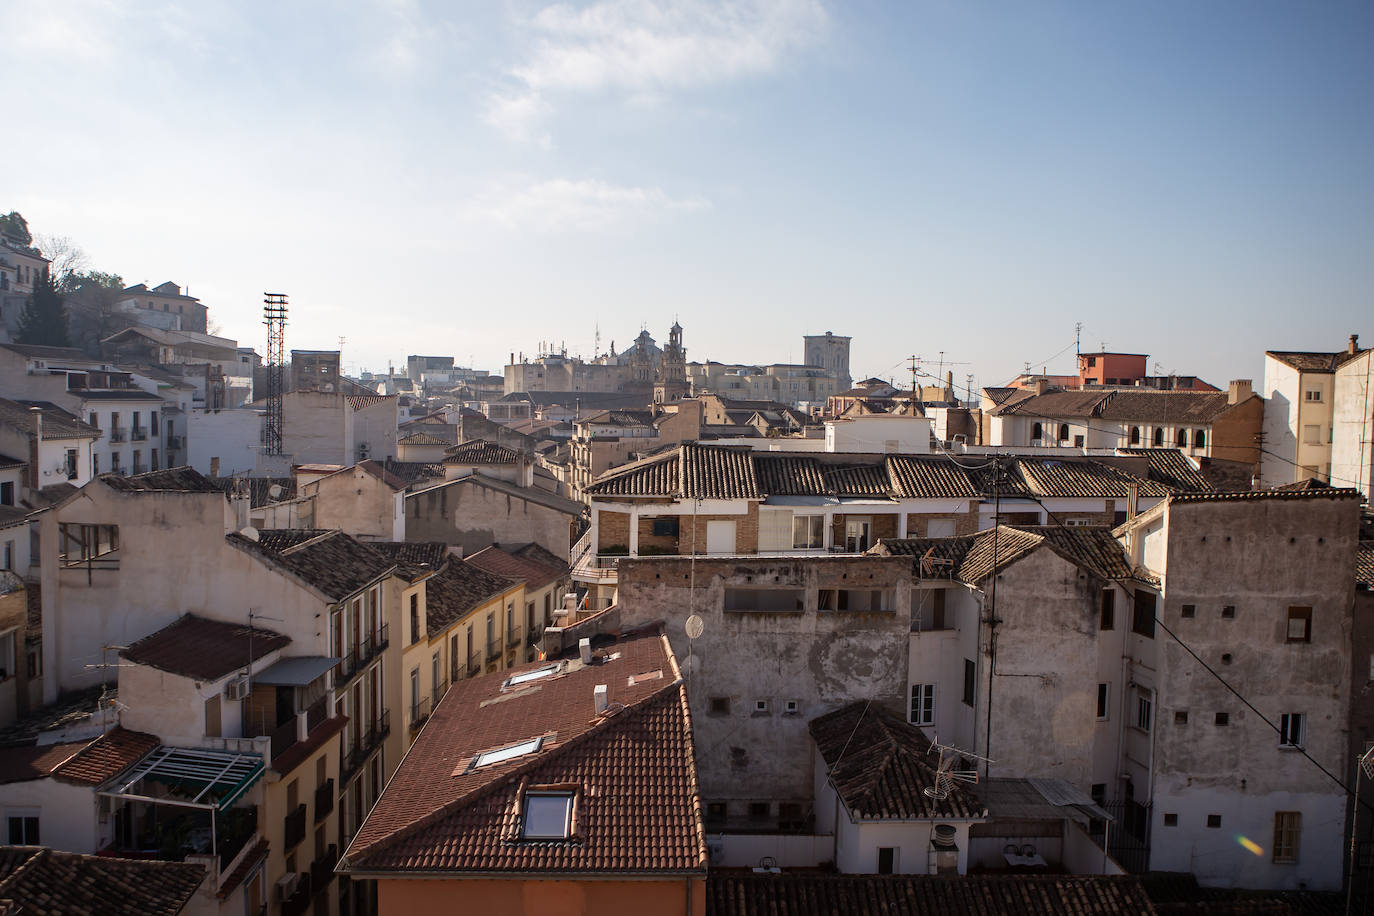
[[38, 351], [1308, 361], [301, 751], [1170, 467], [711, 472], [37, 881], [793, 894], [480, 451], [637, 810], [1364, 564], [879, 765], [182, 479], [1223, 496], [536, 574], [331, 562], [379, 471], [422, 439], [972, 558], [1150, 406], [57, 423], [415, 471], [789, 475], [860, 480], [1054, 404], [1060, 477], [413, 558], [1310, 483], [246, 864], [457, 589], [919, 477], [36, 761], [107, 756], [655, 476], [7, 462], [203, 649], [362, 401]]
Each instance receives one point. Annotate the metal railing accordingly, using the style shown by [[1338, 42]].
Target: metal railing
[[474, 664], [419, 712], [367, 743], [493, 650], [140, 467], [316, 713], [138, 433], [322, 870], [283, 736], [116, 435], [356, 658], [174, 442], [324, 799], [512, 637], [293, 828]]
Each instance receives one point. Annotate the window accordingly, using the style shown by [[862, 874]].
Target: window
[[9, 554], [24, 830], [1228, 612], [720, 706], [510, 752], [1299, 624], [1181, 438], [1171, 820], [1214, 821], [808, 532], [970, 675], [761, 707], [1078, 441], [1291, 729], [791, 707], [1107, 619], [515, 680], [415, 617], [1199, 439], [7, 493], [774, 600], [1189, 610], [887, 860], [1037, 432], [759, 809], [1143, 614], [664, 527], [71, 464], [1144, 710], [1103, 693], [78, 544], [1313, 394], [1135, 435], [548, 816], [1287, 827], [1063, 432], [8, 642], [212, 717], [1222, 718], [922, 704], [715, 812], [854, 599], [1311, 434], [1181, 717]]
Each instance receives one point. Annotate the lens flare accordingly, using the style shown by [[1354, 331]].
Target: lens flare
[[1249, 844]]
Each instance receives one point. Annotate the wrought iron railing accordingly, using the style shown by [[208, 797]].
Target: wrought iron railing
[[324, 800]]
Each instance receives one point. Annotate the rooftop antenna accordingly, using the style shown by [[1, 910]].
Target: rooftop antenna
[[103, 704], [1077, 340], [946, 775], [274, 316]]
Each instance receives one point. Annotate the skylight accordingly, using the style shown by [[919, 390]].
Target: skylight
[[548, 816], [515, 680], [501, 755]]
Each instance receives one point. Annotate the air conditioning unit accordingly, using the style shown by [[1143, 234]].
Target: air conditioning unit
[[287, 884], [237, 688]]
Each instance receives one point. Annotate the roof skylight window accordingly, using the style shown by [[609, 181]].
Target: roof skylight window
[[515, 680], [548, 816], [510, 752]]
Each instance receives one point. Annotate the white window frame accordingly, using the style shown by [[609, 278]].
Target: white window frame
[[1104, 702], [1144, 710], [921, 710], [1292, 730]]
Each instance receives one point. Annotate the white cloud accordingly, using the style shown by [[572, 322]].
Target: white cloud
[[563, 205], [642, 50]]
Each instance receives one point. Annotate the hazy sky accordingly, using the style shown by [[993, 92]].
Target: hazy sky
[[1191, 180]]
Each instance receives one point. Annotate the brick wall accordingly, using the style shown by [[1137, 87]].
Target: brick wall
[[613, 530]]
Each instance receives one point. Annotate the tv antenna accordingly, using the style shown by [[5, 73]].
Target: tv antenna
[[946, 774]]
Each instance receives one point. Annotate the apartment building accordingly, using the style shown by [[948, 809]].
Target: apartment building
[[1300, 390]]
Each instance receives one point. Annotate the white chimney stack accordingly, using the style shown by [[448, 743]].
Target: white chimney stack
[[601, 698], [584, 648]]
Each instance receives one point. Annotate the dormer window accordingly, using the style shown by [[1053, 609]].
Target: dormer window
[[509, 752], [547, 815], [525, 677]]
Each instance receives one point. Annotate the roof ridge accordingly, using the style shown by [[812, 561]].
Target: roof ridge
[[598, 728], [310, 541]]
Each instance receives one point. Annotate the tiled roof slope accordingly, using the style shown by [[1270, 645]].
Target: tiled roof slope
[[458, 588], [656, 476], [638, 810], [363, 401], [1307, 361], [972, 558], [1171, 467], [415, 471], [259, 489], [37, 881], [1164, 406], [789, 475], [742, 894], [1080, 477], [1364, 564], [879, 765], [182, 479], [331, 562], [1225, 496], [422, 438], [413, 558], [107, 756], [203, 649], [36, 761], [379, 471], [918, 477], [480, 451], [57, 423], [1054, 404], [710, 472], [534, 573], [863, 480]]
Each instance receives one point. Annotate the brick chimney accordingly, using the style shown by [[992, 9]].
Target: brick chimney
[[1040, 385], [1354, 344], [1239, 390]]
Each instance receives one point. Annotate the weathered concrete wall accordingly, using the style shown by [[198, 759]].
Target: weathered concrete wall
[[359, 504], [315, 428], [232, 436], [472, 516], [1352, 425], [820, 659], [1261, 557]]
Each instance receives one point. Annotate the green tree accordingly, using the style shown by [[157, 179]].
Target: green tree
[[15, 228], [44, 320]]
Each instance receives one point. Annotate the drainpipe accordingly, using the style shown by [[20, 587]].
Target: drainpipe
[[34, 476]]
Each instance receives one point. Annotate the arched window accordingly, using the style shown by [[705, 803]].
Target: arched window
[[1135, 435], [1063, 432], [1037, 431], [1159, 436], [1199, 439], [1181, 440]]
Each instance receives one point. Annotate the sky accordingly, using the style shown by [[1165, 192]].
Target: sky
[[962, 181]]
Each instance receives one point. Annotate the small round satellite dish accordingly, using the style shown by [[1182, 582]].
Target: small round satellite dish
[[695, 627], [275, 491], [250, 532]]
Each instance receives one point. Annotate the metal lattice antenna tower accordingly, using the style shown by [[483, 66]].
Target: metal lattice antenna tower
[[274, 316]]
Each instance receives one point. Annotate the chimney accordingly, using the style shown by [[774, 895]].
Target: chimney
[[1132, 500], [214, 467], [584, 649], [1354, 344], [1040, 385], [600, 698], [34, 473], [1239, 390]]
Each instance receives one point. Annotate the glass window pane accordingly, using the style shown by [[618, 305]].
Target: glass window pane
[[547, 815]]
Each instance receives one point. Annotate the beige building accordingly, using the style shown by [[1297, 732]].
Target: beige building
[[166, 305], [1300, 391]]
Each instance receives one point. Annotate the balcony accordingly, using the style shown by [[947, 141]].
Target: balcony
[[139, 433], [512, 637], [175, 442], [536, 636], [322, 870], [370, 740], [298, 904], [474, 664], [293, 827], [419, 712], [493, 650], [117, 435], [357, 658], [140, 467], [324, 800]]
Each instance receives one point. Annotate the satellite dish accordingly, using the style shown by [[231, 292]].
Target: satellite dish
[[695, 627], [250, 532], [275, 491]]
